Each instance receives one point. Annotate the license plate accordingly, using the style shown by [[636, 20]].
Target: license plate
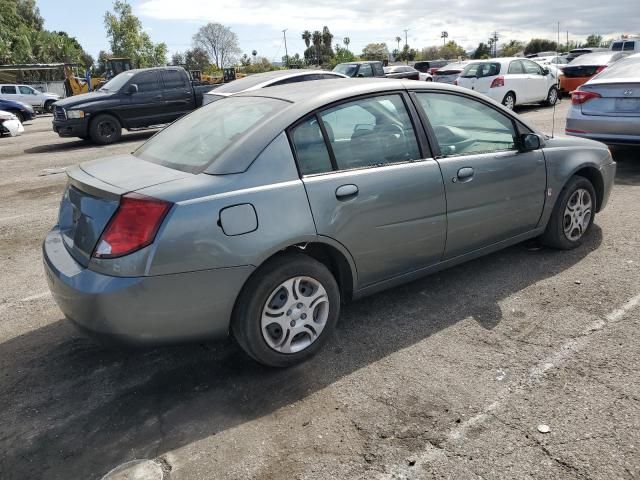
[[628, 104]]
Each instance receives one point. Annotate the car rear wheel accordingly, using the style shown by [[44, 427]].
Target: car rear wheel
[[105, 129], [572, 215], [286, 311], [509, 100], [552, 97]]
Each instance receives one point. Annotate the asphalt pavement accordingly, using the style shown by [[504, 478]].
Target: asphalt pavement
[[454, 376]]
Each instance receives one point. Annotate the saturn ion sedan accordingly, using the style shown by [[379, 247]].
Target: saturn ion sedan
[[261, 213]]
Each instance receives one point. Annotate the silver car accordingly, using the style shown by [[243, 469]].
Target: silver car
[[449, 73], [267, 79], [607, 107], [261, 213]]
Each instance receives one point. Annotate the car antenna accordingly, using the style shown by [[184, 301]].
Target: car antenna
[[553, 121]]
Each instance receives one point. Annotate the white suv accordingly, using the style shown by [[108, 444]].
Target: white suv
[[29, 95], [511, 81]]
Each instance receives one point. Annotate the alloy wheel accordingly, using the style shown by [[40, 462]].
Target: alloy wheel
[[295, 314], [509, 102], [577, 214]]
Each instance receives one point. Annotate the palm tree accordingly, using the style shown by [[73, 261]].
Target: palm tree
[[398, 39], [346, 41], [316, 38], [327, 37], [306, 36]]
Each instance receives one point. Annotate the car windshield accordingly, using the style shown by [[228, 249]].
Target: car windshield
[[481, 69], [117, 82], [192, 143], [348, 69]]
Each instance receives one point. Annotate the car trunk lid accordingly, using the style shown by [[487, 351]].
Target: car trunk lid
[[616, 99], [93, 196]]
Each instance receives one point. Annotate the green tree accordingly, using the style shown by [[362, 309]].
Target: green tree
[[483, 51], [593, 40], [177, 58], [536, 45], [306, 36], [127, 38], [375, 51], [511, 48], [430, 53], [196, 59], [451, 50], [342, 55]]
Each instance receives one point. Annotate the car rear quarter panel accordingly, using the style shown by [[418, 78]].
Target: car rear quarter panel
[[564, 157], [192, 238]]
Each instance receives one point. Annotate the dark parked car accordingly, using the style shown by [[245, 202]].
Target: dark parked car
[[402, 71], [429, 66], [21, 110], [132, 99], [360, 69], [260, 213]]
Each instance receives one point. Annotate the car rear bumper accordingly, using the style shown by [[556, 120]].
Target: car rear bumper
[[613, 130], [71, 128], [142, 310], [569, 84]]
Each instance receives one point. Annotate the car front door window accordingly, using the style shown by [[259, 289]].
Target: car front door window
[[26, 90], [365, 70]]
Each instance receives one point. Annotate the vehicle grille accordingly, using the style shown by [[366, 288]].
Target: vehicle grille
[[580, 71], [59, 114]]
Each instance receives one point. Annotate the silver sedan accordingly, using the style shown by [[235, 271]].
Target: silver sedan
[[261, 213], [607, 107]]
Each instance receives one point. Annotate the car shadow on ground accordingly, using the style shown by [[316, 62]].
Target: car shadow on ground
[[86, 144], [628, 165], [73, 409]]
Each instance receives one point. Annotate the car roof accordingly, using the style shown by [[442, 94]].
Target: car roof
[[596, 58], [264, 79], [304, 98]]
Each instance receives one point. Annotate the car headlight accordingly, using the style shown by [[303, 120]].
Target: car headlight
[[75, 114]]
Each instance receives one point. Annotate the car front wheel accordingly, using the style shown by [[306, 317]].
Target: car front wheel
[[286, 311], [572, 215], [552, 97], [105, 129]]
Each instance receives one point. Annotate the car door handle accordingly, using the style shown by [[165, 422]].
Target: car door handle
[[465, 174], [345, 192]]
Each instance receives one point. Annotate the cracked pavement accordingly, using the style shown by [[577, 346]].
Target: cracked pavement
[[446, 377]]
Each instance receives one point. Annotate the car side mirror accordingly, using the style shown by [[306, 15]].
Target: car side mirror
[[133, 88], [529, 142], [545, 71]]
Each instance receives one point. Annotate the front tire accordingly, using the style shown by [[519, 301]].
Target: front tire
[[286, 311], [48, 106], [552, 97], [105, 129], [572, 215], [509, 100], [18, 114]]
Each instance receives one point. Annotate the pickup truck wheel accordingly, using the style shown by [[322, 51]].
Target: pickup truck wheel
[[572, 215], [105, 129], [48, 106]]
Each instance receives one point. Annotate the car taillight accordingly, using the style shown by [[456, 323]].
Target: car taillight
[[578, 97], [599, 69], [497, 82], [133, 226]]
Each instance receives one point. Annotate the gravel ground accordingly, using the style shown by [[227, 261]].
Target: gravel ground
[[447, 377]]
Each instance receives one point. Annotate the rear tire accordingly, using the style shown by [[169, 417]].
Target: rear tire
[[105, 129], [572, 215], [286, 310], [509, 100], [552, 97]]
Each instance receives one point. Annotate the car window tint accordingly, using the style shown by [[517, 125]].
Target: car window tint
[[516, 67], [365, 70], [26, 90], [371, 131], [8, 89], [629, 45], [617, 46], [146, 81], [463, 125], [377, 69], [311, 150], [174, 79], [531, 68]]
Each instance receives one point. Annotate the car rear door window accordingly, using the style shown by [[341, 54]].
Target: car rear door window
[[174, 79], [372, 131], [464, 126], [8, 90], [311, 149], [146, 81]]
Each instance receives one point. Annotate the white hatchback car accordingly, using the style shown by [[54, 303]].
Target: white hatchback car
[[511, 81]]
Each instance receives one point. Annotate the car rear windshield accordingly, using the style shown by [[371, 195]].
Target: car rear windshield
[[117, 82], [196, 140], [625, 69], [593, 59], [482, 69]]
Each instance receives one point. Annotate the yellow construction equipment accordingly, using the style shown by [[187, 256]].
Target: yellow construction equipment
[[75, 85]]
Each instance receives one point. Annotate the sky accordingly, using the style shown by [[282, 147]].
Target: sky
[[259, 24]]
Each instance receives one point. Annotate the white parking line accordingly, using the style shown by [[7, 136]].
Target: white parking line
[[566, 351]]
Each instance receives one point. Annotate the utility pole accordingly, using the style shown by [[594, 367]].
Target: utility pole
[[406, 44], [494, 41], [286, 53]]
